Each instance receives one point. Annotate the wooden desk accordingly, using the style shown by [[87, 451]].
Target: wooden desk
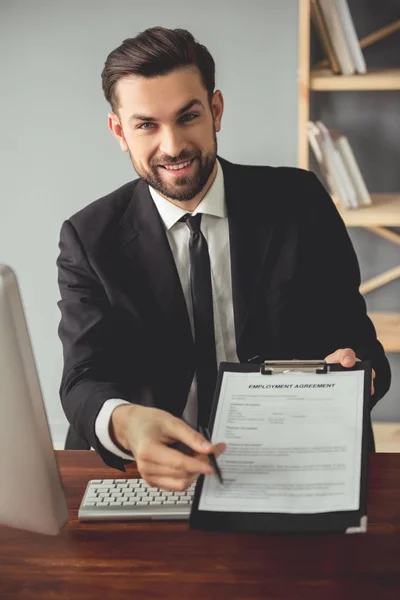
[[142, 560]]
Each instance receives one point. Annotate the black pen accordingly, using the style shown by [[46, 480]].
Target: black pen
[[211, 457]]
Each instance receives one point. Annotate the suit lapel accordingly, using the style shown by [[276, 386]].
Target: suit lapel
[[250, 237], [145, 243]]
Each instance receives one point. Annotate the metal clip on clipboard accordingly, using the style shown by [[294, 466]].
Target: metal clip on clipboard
[[271, 367]]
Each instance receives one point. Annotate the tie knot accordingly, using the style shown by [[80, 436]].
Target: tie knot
[[192, 222]]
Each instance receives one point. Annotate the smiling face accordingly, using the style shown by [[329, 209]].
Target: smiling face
[[166, 122]]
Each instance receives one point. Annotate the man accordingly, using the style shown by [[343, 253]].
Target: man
[[152, 300]]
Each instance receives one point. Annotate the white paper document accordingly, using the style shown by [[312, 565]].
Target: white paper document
[[293, 443]]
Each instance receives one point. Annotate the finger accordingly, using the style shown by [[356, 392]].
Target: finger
[[373, 374], [168, 457], [151, 469], [333, 358], [171, 484], [345, 356], [218, 449], [179, 431], [172, 479]]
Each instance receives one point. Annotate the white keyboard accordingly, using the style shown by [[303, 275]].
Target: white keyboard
[[131, 499]]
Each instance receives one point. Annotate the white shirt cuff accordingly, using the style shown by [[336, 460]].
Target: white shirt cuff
[[102, 427]]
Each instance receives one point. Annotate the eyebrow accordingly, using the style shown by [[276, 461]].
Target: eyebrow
[[191, 104]]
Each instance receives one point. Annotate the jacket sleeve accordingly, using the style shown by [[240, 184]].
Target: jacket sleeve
[[93, 357], [330, 273]]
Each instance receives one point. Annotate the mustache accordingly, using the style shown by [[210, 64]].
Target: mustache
[[174, 161]]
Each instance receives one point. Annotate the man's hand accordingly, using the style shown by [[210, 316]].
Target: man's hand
[[347, 358], [148, 433]]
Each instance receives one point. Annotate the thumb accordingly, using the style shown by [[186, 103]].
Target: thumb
[[219, 449], [179, 431]]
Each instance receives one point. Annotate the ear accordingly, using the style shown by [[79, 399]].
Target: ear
[[115, 127], [217, 105]]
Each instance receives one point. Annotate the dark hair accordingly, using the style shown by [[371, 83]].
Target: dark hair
[[156, 51]]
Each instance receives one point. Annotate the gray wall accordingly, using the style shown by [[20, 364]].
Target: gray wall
[[371, 120], [56, 152]]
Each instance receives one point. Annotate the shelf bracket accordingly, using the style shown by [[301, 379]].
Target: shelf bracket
[[380, 280], [390, 274], [391, 236]]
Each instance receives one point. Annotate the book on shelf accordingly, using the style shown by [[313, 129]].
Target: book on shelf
[[322, 158], [343, 145], [336, 30], [321, 28], [338, 166], [351, 36], [337, 178]]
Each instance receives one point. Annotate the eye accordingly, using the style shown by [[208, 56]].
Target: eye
[[189, 117], [143, 125]]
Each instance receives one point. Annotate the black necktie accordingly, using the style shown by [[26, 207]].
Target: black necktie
[[203, 317]]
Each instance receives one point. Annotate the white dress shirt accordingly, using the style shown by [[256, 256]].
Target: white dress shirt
[[214, 226]]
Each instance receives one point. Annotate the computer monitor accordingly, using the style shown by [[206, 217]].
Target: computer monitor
[[31, 493]]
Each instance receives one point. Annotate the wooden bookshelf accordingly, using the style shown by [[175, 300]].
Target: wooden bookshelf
[[387, 325], [323, 80], [385, 210], [387, 436]]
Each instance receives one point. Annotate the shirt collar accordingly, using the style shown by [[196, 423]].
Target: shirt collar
[[213, 203]]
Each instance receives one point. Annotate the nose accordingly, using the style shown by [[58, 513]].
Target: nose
[[172, 142]]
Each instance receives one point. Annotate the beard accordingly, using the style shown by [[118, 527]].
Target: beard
[[182, 188]]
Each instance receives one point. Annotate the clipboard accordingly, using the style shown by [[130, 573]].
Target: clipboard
[[353, 521]]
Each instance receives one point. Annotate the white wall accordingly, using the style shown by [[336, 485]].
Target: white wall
[[56, 152]]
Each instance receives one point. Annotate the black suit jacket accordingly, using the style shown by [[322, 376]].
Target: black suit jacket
[[124, 323]]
